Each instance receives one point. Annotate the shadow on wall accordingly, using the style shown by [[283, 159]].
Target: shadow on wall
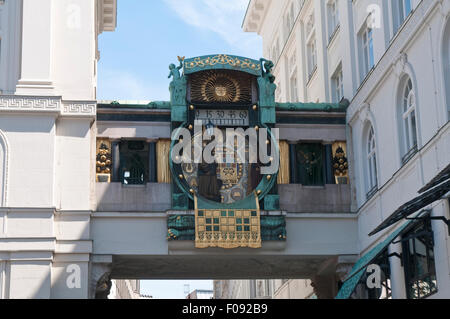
[[324, 199], [31, 124], [116, 197], [28, 280]]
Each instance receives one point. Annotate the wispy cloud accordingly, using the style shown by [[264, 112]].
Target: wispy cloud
[[223, 17]]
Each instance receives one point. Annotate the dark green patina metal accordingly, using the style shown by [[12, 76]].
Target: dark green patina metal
[[222, 62], [313, 107], [182, 227], [157, 105], [307, 107]]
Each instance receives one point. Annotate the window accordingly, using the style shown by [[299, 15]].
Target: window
[[278, 92], [337, 82], [311, 45], [401, 10], [276, 50], [310, 25], [294, 87], [333, 17], [263, 288], [134, 162], [408, 107], [310, 168], [367, 58], [419, 264], [289, 20], [312, 57], [405, 8], [293, 77], [372, 180]]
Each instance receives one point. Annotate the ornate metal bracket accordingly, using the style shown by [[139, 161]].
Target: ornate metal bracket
[[442, 218], [399, 256]]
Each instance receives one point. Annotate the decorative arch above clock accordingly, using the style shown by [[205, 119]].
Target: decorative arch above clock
[[221, 86]]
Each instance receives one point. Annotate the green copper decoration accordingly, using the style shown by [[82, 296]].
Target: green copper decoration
[[182, 227], [313, 107], [178, 85], [266, 84], [157, 105], [222, 61]]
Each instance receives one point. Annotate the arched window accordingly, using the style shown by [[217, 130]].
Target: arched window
[[401, 10], [372, 179], [408, 118]]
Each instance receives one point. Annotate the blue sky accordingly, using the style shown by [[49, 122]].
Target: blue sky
[[149, 36]]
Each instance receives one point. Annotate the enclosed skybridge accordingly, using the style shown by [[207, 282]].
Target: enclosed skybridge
[[273, 201]]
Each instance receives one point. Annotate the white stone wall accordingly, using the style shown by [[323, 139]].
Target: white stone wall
[[47, 144], [418, 48]]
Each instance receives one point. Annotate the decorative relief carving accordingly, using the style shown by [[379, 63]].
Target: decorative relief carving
[[223, 59], [400, 63], [340, 162], [14, 103], [104, 161], [221, 86], [80, 108], [47, 104]]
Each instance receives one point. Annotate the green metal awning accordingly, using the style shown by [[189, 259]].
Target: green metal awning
[[415, 204], [440, 178], [361, 265]]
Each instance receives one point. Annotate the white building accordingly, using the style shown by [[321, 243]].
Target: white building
[[200, 294], [126, 289], [391, 59], [69, 227], [48, 66], [263, 289]]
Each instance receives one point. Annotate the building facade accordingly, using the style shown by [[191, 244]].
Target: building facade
[[48, 66], [373, 53], [264, 289], [200, 294], [105, 199], [126, 289]]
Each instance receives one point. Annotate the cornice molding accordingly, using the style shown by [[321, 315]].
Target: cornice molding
[[254, 17], [39, 104], [107, 15], [28, 103], [77, 108]]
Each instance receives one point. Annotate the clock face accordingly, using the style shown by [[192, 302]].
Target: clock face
[[222, 182], [222, 117]]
